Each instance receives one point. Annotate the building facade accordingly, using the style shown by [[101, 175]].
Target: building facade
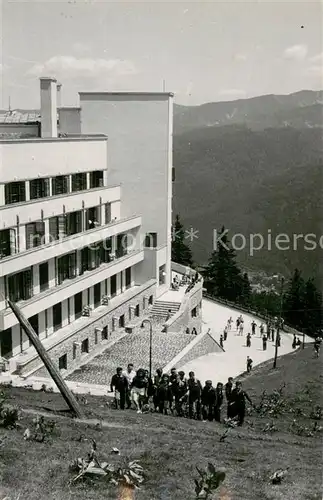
[[85, 223]]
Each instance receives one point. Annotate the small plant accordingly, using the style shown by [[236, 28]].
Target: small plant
[[316, 413], [9, 415], [129, 474], [41, 429], [105, 300], [86, 311], [210, 479]]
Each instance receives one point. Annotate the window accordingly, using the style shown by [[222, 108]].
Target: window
[[57, 316], [39, 188], [90, 258], [151, 240], [96, 179], [74, 223], [104, 333], [20, 286], [7, 242], [128, 277], [113, 286], [107, 213], [35, 234], [121, 321], [173, 174], [15, 192], [105, 250], [92, 217], [151, 300], [43, 276], [66, 267], [6, 343], [85, 345], [194, 312], [60, 185], [78, 305], [34, 323], [122, 244], [137, 310], [79, 182], [62, 362], [97, 294], [57, 227]]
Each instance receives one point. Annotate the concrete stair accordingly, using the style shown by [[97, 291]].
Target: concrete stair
[[161, 307]]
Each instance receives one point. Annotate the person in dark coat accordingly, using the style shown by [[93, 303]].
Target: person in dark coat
[[221, 341], [194, 331], [164, 395], [249, 364], [139, 389], [225, 333], [194, 396], [179, 390], [150, 388], [228, 391], [264, 342], [119, 384], [218, 402], [238, 403], [208, 399], [253, 328], [273, 334], [157, 379], [294, 342], [248, 340]]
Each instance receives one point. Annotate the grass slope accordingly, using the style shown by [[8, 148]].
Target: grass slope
[[170, 448]]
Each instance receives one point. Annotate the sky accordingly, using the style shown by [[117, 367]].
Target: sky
[[202, 51]]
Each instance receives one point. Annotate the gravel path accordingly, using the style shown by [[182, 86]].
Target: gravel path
[[132, 349]]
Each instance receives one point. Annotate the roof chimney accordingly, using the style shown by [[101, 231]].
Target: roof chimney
[[48, 107], [59, 95]]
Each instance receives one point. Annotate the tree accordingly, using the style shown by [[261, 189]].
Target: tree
[[181, 252], [223, 277], [294, 301], [312, 315]]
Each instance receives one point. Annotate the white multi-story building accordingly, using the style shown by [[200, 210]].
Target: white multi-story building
[[85, 222]]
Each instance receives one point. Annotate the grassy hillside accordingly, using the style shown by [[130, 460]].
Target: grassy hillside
[[251, 181], [169, 448]]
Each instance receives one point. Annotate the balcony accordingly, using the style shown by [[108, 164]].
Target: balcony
[[49, 207], [54, 295], [43, 253]]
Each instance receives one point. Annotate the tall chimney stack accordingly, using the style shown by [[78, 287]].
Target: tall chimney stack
[[59, 95], [48, 107]]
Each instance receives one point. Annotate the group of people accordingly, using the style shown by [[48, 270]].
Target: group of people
[[268, 335], [186, 279], [177, 395]]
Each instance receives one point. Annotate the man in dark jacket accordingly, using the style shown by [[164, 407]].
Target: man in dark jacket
[[164, 395], [119, 384], [228, 392], [238, 403], [179, 389], [208, 401], [218, 402], [194, 396]]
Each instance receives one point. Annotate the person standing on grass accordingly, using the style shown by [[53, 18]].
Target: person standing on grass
[[238, 403], [180, 392], [248, 340], [194, 396], [165, 397], [218, 402], [157, 379], [253, 327], [129, 374], [249, 364], [264, 342], [139, 389], [208, 400], [119, 385], [228, 391]]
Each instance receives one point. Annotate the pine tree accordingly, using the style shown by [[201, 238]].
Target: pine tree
[[181, 252], [223, 277], [312, 315], [294, 301]]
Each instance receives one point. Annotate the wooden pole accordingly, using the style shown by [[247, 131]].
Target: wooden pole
[[52, 370]]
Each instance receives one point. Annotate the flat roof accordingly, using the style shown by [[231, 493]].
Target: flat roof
[[171, 94], [16, 117], [71, 138]]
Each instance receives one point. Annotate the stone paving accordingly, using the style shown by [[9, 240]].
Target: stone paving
[[231, 363], [134, 349]]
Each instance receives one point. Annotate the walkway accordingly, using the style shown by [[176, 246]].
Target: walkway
[[231, 363]]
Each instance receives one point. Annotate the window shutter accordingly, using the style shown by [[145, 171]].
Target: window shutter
[[12, 239], [62, 226]]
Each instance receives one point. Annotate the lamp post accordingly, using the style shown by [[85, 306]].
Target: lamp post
[[279, 322], [150, 342]]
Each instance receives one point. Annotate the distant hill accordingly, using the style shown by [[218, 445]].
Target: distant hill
[[301, 110], [252, 181]]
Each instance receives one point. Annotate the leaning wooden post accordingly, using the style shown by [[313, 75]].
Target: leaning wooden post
[[53, 371]]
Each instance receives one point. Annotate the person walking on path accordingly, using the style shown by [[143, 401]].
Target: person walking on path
[[221, 341], [264, 342], [273, 334], [262, 329], [294, 342], [241, 329], [253, 327], [249, 364], [225, 333], [248, 340], [230, 321]]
